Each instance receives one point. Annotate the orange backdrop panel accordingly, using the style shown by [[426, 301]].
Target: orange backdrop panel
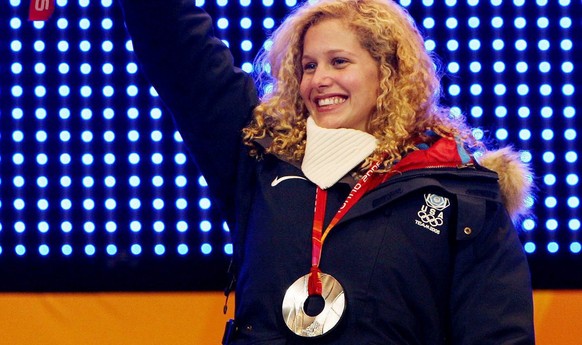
[[112, 318], [192, 318]]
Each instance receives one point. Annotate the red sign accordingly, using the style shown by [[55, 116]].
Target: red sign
[[41, 9]]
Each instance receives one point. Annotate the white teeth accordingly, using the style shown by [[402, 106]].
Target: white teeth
[[330, 101]]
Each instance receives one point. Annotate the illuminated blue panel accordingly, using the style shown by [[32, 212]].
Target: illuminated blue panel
[[182, 226], [93, 167], [530, 247], [159, 226], [20, 250], [111, 249], [90, 250], [136, 249], [204, 203], [206, 248], [67, 249], [553, 247], [159, 249], [205, 226], [182, 249], [228, 249], [268, 23]]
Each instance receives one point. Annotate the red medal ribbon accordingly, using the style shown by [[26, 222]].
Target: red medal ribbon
[[41, 10], [367, 182]]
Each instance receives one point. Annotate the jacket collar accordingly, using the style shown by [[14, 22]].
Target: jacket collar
[[444, 153]]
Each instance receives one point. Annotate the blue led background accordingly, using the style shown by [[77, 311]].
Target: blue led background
[[97, 191]]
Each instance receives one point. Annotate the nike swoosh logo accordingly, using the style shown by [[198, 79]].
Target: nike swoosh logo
[[278, 179]]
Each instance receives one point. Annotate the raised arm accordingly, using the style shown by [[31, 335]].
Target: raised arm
[[193, 72]]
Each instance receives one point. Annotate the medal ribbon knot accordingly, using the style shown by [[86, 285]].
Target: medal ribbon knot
[[314, 286]]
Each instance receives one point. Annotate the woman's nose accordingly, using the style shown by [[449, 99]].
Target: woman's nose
[[322, 77]]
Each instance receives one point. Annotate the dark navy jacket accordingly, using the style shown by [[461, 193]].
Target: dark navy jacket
[[461, 280]]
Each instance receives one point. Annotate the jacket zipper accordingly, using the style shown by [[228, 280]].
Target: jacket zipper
[[445, 169]]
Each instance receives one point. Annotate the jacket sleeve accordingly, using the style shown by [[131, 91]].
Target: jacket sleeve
[[193, 72], [491, 300]]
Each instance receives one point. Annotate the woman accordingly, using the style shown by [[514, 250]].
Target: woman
[[411, 240]]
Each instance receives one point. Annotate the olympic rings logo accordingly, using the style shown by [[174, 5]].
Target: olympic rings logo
[[429, 216]]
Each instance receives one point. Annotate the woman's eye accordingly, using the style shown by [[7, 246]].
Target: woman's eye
[[308, 66], [339, 61]]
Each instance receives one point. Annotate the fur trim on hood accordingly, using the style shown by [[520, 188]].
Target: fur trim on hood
[[515, 180]]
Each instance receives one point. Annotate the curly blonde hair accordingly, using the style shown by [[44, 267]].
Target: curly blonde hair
[[407, 106]]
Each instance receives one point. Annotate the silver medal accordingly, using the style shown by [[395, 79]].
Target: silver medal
[[302, 324]]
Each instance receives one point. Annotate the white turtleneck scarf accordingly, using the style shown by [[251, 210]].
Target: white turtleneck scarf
[[331, 153]]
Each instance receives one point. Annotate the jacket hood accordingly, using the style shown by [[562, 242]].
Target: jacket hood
[[515, 179], [514, 176]]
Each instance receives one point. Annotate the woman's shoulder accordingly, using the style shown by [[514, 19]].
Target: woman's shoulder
[[515, 179]]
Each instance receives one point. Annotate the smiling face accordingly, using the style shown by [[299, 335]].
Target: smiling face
[[340, 78]]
